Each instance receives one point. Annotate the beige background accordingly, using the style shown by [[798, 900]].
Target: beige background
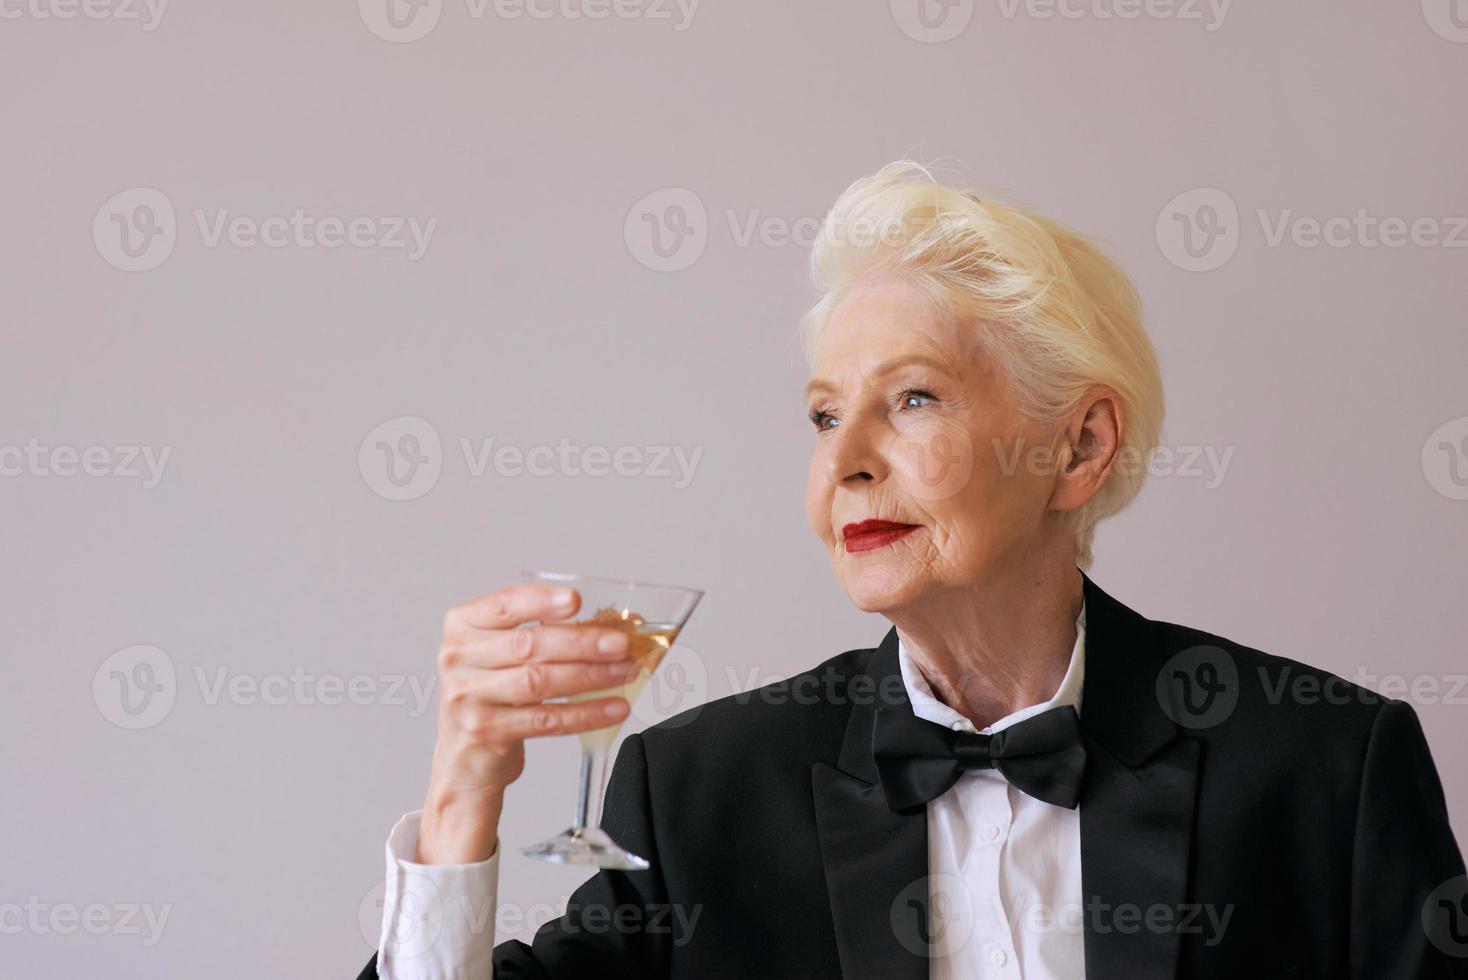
[[269, 555]]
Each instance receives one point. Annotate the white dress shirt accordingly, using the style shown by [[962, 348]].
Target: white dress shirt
[[1004, 868], [1004, 875]]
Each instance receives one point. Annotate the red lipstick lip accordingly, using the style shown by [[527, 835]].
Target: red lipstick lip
[[867, 535]]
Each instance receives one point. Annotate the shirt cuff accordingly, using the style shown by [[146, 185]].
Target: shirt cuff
[[437, 919]]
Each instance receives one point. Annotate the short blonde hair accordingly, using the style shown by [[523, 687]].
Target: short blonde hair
[[1056, 315]]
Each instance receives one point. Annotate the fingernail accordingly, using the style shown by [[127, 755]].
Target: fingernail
[[615, 670], [563, 598], [612, 643], [614, 709]]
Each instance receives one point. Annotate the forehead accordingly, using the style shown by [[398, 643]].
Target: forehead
[[881, 321]]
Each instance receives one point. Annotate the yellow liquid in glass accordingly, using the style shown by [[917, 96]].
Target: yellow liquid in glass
[[647, 643]]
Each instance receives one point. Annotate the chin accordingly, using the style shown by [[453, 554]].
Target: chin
[[877, 586]]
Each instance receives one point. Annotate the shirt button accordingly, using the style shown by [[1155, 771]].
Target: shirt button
[[988, 832], [957, 726], [997, 957]]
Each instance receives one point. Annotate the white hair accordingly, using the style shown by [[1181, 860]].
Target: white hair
[[1054, 313]]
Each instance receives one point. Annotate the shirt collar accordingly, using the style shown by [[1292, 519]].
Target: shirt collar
[[926, 706]]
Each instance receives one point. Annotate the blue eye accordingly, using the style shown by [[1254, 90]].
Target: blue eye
[[912, 394], [819, 418]]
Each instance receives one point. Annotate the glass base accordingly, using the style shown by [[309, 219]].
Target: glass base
[[586, 846]]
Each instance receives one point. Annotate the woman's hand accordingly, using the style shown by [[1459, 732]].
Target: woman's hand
[[493, 679]]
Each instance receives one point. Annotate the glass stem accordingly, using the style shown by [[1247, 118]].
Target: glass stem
[[593, 786]]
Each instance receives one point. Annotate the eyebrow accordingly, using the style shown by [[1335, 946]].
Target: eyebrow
[[886, 367]]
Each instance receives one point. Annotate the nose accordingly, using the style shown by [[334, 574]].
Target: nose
[[854, 454]]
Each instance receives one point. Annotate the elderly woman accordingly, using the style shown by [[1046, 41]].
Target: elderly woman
[[1024, 778]]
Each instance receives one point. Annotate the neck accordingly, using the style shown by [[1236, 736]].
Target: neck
[[993, 647]]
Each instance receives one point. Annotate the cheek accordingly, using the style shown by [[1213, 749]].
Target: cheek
[[818, 498], [936, 465]]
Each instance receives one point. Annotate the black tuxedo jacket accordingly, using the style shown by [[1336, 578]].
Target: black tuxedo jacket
[[1243, 816]]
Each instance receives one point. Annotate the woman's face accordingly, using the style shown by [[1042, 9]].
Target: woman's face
[[916, 428]]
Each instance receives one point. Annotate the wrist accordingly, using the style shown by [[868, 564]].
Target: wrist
[[459, 827]]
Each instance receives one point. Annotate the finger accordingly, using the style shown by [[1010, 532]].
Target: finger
[[515, 604], [533, 683], [544, 644], [559, 719]]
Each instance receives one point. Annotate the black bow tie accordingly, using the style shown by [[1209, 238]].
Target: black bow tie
[[919, 760]]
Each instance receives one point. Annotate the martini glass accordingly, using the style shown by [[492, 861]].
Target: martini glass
[[651, 616]]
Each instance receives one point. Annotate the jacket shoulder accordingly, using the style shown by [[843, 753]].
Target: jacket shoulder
[[1274, 695]]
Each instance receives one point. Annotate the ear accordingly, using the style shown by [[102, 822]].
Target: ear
[[1088, 448]]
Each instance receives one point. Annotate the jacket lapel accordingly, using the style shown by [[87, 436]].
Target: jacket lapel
[[1137, 801], [876, 861], [1136, 816]]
